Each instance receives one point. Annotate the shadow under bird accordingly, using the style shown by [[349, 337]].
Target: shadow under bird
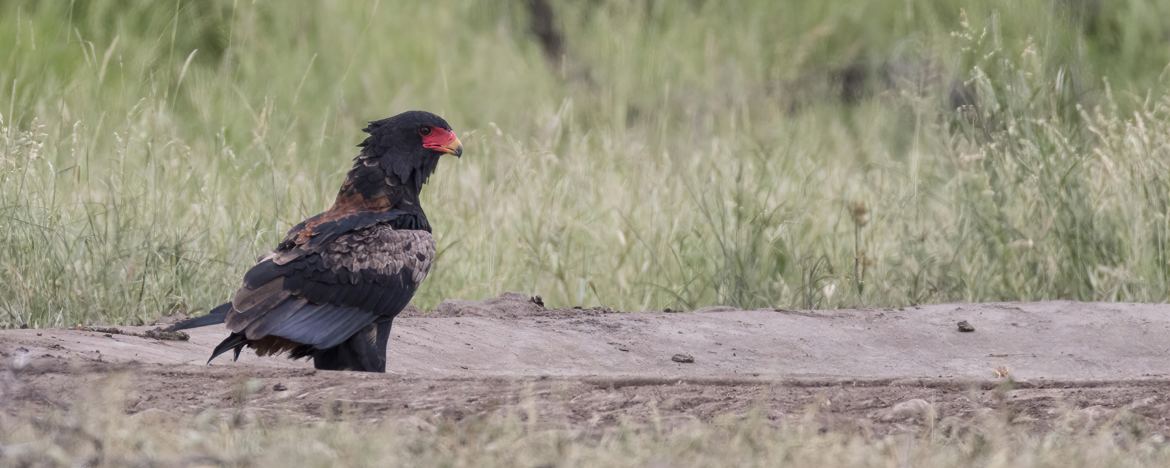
[[331, 289]]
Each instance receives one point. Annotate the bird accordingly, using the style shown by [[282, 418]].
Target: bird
[[331, 288]]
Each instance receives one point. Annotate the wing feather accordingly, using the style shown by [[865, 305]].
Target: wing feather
[[261, 328], [323, 326], [321, 291]]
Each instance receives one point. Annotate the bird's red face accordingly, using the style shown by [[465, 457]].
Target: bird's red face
[[441, 140]]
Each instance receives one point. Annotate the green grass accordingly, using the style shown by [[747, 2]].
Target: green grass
[[684, 154]]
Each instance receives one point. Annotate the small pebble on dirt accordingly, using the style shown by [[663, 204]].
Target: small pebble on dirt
[[966, 327], [279, 387], [683, 358]]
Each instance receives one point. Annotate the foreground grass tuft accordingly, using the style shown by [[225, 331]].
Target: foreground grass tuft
[[98, 432]]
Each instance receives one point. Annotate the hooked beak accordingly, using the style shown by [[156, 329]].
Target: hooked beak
[[453, 147], [443, 141]]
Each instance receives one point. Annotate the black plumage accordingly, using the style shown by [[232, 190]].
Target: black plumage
[[332, 287]]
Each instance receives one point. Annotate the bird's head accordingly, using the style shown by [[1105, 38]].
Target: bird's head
[[407, 146]]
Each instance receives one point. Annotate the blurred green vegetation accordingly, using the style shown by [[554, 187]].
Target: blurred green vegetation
[[635, 154]]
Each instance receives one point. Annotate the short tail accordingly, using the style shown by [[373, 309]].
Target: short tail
[[215, 317]]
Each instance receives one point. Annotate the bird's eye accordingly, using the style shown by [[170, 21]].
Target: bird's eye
[[424, 131]]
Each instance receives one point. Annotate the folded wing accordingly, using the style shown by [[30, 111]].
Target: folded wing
[[314, 294]]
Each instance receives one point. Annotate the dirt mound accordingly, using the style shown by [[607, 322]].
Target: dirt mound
[[507, 305]]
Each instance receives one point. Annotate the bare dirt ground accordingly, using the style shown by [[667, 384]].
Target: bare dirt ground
[[875, 370]]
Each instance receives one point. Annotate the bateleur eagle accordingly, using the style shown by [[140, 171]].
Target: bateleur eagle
[[333, 286]]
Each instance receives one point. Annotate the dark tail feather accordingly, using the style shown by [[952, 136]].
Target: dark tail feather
[[215, 317], [234, 342]]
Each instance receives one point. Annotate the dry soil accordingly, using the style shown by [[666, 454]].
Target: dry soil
[[875, 370]]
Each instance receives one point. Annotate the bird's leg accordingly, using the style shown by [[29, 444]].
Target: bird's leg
[[382, 339], [364, 351]]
